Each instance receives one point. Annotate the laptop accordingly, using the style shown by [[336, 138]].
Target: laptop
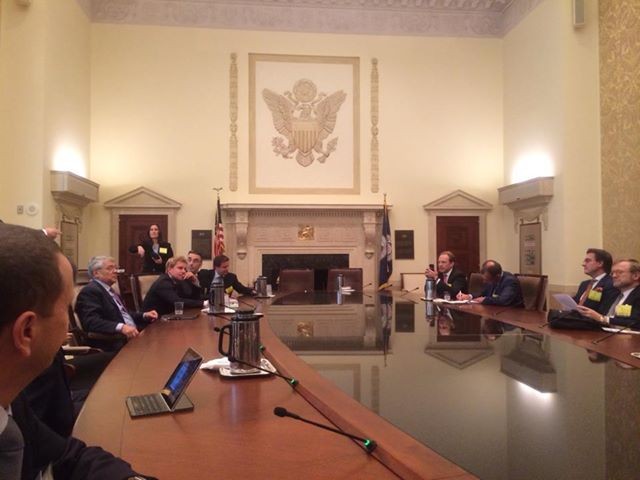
[[171, 398]]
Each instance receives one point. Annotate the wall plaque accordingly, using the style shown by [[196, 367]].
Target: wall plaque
[[201, 243], [404, 245]]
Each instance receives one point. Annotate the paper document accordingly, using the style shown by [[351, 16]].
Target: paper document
[[442, 300], [565, 301], [617, 330]]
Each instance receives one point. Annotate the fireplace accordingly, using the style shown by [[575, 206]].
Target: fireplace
[[320, 263], [259, 237]]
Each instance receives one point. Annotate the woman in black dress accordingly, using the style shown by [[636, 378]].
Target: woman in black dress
[[153, 251]]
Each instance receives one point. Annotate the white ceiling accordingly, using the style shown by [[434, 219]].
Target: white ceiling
[[466, 18]]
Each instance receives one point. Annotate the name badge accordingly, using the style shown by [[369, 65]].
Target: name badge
[[595, 296], [623, 311], [449, 285], [229, 290], [163, 250], [495, 295]]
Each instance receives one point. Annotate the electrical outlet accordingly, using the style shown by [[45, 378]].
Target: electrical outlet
[[20, 209]]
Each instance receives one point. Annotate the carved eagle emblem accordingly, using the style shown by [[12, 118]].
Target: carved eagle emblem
[[305, 119]]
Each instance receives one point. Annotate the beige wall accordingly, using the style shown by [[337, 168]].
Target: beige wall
[[160, 118], [551, 108], [44, 103]]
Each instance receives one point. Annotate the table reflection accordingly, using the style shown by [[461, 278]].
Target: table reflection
[[500, 401]]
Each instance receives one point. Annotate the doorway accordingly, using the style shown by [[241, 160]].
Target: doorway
[[133, 229], [461, 235]]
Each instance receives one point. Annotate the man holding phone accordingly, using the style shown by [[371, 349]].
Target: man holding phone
[[448, 278]]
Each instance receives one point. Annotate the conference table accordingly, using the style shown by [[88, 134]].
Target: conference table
[[454, 392]]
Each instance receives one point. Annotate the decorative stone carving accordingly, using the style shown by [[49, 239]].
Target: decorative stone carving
[[233, 127], [375, 174], [478, 18]]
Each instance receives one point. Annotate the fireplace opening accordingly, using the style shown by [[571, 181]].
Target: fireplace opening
[[320, 263]]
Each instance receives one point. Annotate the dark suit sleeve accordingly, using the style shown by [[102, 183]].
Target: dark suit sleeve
[[506, 295], [91, 311], [71, 458], [239, 287], [458, 284], [166, 290]]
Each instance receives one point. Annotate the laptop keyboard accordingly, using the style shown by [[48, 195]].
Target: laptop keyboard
[[147, 404]]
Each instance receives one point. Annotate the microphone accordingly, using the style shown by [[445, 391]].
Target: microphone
[[291, 381], [612, 334], [409, 291], [369, 445]]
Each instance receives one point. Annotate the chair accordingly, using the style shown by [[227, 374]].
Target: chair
[[534, 290], [352, 277], [79, 337], [140, 285], [292, 280], [410, 282], [476, 284]]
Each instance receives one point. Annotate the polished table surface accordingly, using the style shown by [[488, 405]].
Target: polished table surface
[[467, 381], [232, 433]]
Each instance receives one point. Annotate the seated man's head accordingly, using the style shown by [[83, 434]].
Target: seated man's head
[[596, 262], [104, 269], [491, 271], [221, 264], [194, 261], [177, 267], [446, 261], [626, 274], [36, 289]]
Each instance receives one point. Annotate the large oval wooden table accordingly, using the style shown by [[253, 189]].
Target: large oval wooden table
[[232, 433]]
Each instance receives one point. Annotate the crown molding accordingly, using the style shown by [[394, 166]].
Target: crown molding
[[453, 18]]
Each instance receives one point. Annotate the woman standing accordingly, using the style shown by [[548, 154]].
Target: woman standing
[[153, 251]]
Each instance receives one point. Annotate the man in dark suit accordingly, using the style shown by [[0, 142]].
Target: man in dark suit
[[101, 310], [231, 282], [169, 289], [501, 288], [597, 293], [625, 309], [448, 278], [197, 279], [36, 289]]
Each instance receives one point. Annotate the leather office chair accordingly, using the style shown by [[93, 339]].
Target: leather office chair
[[534, 290], [476, 284], [352, 277], [140, 285], [296, 280]]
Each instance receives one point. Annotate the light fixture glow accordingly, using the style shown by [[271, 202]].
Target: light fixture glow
[[68, 159], [530, 391], [532, 165]]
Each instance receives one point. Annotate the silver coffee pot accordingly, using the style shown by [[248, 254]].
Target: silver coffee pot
[[244, 341]]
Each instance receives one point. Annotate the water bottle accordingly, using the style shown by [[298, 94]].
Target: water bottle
[[216, 296], [429, 288], [339, 282]]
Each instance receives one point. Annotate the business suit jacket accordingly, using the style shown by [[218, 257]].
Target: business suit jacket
[[99, 313], [457, 282], [609, 294], [633, 320], [71, 458], [231, 280], [148, 265], [505, 292], [164, 292]]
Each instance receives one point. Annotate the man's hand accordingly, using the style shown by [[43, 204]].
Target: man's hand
[[478, 300], [192, 277], [592, 314], [129, 331], [463, 296], [140, 251], [151, 315], [431, 274]]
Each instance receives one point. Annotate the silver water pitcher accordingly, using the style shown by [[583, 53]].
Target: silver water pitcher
[[261, 286], [244, 341]]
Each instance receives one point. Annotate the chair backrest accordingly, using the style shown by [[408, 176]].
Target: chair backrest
[[140, 285], [292, 280], [412, 281], [476, 284], [352, 277], [534, 290]]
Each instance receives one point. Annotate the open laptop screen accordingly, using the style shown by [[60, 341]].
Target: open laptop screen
[[181, 376]]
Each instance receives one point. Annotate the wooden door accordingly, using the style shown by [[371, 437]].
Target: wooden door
[[132, 230], [461, 235]]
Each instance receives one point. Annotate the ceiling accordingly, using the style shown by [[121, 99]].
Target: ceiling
[[458, 18]]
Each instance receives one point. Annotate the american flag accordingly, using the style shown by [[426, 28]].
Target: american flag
[[218, 228]]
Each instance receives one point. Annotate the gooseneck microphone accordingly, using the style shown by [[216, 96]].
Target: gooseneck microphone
[[290, 380], [613, 334], [369, 445], [409, 291]]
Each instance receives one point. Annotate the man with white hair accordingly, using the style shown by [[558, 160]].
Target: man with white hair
[[101, 310]]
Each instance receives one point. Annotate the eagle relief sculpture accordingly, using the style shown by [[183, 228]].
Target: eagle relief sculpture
[[305, 118]]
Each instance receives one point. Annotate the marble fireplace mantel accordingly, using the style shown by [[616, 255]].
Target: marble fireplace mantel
[[252, 230]]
